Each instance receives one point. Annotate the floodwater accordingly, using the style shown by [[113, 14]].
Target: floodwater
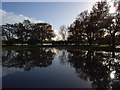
[[60, 68]]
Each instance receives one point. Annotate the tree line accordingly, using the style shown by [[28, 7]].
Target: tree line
[[27, 32]]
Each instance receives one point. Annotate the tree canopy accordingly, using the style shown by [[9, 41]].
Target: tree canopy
[[27, 32], [95, 26]]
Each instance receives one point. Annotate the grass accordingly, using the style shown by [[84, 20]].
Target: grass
[[3, 44], [104, 45]]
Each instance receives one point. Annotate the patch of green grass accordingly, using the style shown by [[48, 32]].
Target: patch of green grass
[[3, 44], [104, 45]]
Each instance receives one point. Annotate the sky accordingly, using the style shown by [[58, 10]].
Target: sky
[[54, 13]]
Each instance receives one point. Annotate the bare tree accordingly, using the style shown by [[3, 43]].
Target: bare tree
[[63, 32]]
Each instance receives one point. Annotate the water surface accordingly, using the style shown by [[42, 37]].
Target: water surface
[[60, 68]]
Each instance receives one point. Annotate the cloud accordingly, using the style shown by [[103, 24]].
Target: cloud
[[11, 18]]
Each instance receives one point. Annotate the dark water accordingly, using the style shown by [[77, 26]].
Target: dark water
[[60, 68]]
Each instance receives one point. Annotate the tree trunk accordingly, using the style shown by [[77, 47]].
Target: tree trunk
[[90, 39], [113, 41], [41, 42]]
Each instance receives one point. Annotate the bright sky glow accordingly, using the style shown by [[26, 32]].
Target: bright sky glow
[[113, 8], [112, 75]]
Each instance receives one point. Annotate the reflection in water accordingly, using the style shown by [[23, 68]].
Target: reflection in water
[[28, 59], [98, 67], [63, 56], [101, 68]]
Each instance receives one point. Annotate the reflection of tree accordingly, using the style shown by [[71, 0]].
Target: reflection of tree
[[63, 57], [28, 59], [98, 67]]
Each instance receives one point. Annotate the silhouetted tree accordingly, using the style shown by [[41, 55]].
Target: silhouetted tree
[[97, 21], [63, 32], [27, 32], [8, 33], [114, 27], [90, 25], [42, 32], [20, 32], [76, 32]]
